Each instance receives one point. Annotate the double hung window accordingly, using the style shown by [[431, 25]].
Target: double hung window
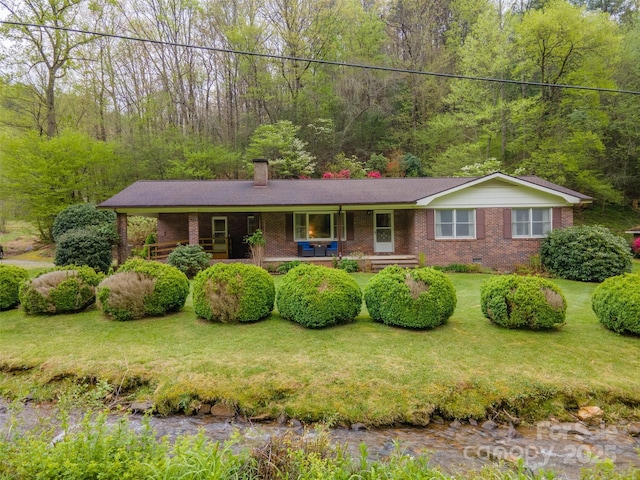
[[456, 223], [530, 222]]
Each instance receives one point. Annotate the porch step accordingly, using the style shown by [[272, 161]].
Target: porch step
[[379, 263]]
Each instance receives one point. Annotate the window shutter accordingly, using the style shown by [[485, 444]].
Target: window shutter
[[431, 224], [506, 220], [480, 228], [288, 227], [556, 214], [351, 235]]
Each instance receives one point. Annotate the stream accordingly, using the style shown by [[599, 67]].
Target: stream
[[454, 447]]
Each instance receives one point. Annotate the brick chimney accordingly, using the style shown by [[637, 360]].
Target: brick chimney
[[260, 172]]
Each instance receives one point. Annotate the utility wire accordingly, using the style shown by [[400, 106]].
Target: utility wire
[[322, 62]]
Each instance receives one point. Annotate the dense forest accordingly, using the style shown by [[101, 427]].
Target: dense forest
[[87, 107]]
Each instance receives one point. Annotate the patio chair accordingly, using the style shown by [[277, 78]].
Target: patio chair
[[332, 249], [305, 249]]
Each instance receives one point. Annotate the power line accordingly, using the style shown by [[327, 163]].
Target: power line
[[322, 62]]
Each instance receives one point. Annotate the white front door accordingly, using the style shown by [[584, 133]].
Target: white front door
[[383, 232], [220, 237]]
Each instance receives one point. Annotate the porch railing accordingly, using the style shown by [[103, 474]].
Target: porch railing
[[218, 247]]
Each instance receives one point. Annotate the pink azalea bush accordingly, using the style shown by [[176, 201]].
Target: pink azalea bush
[[336, 175]]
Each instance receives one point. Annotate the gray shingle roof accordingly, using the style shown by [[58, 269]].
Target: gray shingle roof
[[243, 193]]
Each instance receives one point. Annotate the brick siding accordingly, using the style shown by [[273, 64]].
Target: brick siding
[[183, 227], [494, 251], [410, 237]]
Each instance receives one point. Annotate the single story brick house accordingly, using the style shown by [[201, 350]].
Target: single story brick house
[[496, 220]]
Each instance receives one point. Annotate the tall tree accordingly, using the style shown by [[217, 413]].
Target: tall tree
[[564, 44], [280, 144], [45, 175], [47, 54], [478, 113]]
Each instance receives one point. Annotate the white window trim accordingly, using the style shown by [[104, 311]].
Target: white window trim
[[333, 217], [454, 236], [530, 209]]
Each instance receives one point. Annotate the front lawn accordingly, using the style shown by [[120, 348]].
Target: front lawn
[[360, 372]]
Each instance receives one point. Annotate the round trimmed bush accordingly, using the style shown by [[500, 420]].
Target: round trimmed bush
[[189, 259], [123, 295], [589, 253], [162, 288], [63, 290], [514, 301], [616, 303], [234, 292], [411, 298], [316, 296], [10, 280]]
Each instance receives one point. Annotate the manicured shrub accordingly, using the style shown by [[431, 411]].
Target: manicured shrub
[[412, 298], [10, 280], [63, 290], [286, 266], [84, 247], [616, 303], [514, 301], [123, 295], [118, 297], [189, 259], [84, 235], [317, 297], [586, 253], [233, 292]]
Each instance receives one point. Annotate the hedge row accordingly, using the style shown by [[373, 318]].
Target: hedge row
[[311, 295]]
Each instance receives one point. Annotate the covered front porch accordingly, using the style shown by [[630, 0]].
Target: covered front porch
[[311, 234], [366, 263]]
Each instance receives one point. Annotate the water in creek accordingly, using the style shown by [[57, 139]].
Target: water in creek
[[564, 448]]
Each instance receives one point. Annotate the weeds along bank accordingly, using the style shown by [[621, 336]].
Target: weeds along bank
[[459, 364], [97, 445]]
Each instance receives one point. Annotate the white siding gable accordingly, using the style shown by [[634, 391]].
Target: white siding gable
[[496, 193]]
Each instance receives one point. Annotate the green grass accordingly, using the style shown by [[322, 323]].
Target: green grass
[[15, 230], [360, 372]]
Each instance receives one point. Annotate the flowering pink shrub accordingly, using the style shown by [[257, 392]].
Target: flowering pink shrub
[[333, 175], [636, 247], [374, 174]]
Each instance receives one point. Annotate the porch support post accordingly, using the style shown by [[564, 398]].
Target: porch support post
[[339, 232], [123, 244], [194, 229]]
